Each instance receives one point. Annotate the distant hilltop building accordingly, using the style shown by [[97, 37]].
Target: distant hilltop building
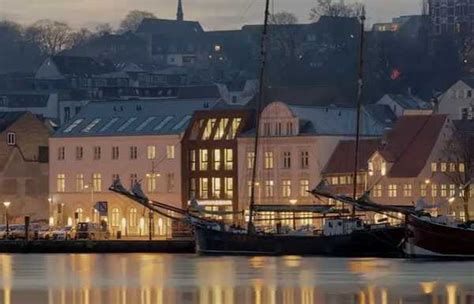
[[451, 17]]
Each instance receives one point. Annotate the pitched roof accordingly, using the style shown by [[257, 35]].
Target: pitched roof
[[411, 142], [133, 118], [80, 66], [409, 102], [199, 91], [8, 118], [171, 28], [342, 159]]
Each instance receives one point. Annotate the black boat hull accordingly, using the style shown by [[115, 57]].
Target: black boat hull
[[374, 243]]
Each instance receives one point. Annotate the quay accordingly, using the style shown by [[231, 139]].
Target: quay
[[102, 246]]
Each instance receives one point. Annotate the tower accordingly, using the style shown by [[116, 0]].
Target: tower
[[180, 14]]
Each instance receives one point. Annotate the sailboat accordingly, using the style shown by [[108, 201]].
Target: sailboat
[[342, 235]]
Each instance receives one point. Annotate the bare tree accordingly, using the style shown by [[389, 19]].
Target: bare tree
[[51, 36], [459, 152], [103, 29], [335, 8], [132, 21], [283, 18]]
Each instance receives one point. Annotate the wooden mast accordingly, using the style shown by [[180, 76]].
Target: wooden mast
[[258, 108]]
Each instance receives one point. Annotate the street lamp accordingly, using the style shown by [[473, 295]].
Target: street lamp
[[51, 211], [87, 186], [6, 204], [293, 202]]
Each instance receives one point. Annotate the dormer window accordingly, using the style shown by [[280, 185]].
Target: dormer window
[[11, 139]]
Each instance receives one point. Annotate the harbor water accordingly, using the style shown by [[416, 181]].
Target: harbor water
[[187, 278]]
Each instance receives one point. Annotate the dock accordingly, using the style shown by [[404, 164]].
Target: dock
[[102, 246]]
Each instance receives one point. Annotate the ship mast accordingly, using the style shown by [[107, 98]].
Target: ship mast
[[258, 108], [360, 88]]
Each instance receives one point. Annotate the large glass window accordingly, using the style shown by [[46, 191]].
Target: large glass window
[[377, 191], [268, 160], [235, 127], [61, 182], [407, 190], [216, 187], [97, 182], [304, 187], [203, 188], [151, 182], [229, 187], [269, 188], [208, 128], [217, 160], [115, 219], [221, 126], [132, 217], [229, 159], [203, 159]]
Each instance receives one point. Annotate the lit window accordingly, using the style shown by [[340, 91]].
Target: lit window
[[377, 191], [170, 152], [286, 160], [229, 159], [371, 168], [434, 167], [217, 159], [162, 123], [334, 180], [97, 182], [132, 217], [229, 187], [79, 153], [269, 186], [151, 182], [461, 167], [80, 214], [235, 127], [79, 182], [11, 139], [97, 153], [304, 187], [268, 160], [434, 190], [407, 189], [61, 183], [304, 159], [423, 189], [452, 190], [249, 188], [443, 167], [115, 153], [192, 160], [73, 125], [216, 187], [203, 188], [342, 180], [444, 191], [217, 48], [250, 159], [203, 159], [286, 188], [221, 126], [126, 124], [192, 188], [208, 129], [452, 167], [151, 152], [61, 153], [91, 125], [383, 168], [392, 190], [115, 219]]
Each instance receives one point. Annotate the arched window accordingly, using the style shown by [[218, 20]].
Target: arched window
[[80, 214], [115, 217], [133, 217]]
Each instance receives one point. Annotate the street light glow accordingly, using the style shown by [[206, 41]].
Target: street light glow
[[6, 204], [427, 181]]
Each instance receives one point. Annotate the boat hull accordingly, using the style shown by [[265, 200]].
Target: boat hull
[[426, 239], [376, 243]]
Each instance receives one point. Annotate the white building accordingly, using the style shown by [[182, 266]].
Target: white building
[[458, 101]]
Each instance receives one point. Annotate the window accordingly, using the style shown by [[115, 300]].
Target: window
[[208, 129], [269, 186], [444, 188], [132, 217], [229, 159], [170, 152], [235, 127], [377, 191], [278, 129], [192, 160], [423, 188], [126, 124], [97, 152], [115, 220], [268, 160], [434, 167], [67, 114], [407, 190], [286, 160], [221, 126], [392, 190], [115, 177], [109, 124], [452, 190], [216, 187], [286, 188], [79, 153], [334, 180], [192, 188], [304, 187], [115, 153], [452, 167], [151, 182], [289, 128], [61, 182], [133, 179], [266, 129], [249, 188], [383, 168], [97, 182], [203, 159], [203, 188], [11, 138], [229, 187], [91, 125], [151, 152], [170, 182], [461, 167], [61, 153], [163, 123], [443, 167], [434, 190], [133, 152], [342, 180], [73, 125], [79, 182], [304, 159], [80, 214], [217, 160], [145, 123], [183, 121], [371, 168], [250, 159]]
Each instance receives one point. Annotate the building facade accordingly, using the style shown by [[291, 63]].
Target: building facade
[[131, 140], [458, 101], [450, 17]]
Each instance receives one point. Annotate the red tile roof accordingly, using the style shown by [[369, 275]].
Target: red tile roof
[[342, 159], [411, 142]]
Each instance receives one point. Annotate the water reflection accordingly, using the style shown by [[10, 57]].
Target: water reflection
[[150, 278]]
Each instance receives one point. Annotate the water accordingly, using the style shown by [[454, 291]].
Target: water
[[157, 278]]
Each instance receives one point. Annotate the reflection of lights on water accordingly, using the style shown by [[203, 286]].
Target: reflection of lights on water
[[370, 292], [6, 277], [307, 295], [451, 293], [383, 296], [257, 262], [362, 299], [257, 287], [292, 261], [428, 287]]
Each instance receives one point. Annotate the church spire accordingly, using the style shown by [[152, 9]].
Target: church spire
[[180, 14]]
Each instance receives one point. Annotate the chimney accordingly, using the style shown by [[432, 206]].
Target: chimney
[[180, 14]]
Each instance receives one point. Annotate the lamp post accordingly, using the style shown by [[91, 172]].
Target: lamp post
[[51, 211], [6, 204], [293, 202], [91, 186]]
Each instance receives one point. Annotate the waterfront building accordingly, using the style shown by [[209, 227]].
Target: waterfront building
[[295, 144], [209, 158], [24, 166], [130, 140]]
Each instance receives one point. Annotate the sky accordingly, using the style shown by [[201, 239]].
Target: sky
[[213, 14]]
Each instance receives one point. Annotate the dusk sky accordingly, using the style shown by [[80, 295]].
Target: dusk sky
[[213, 14]]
